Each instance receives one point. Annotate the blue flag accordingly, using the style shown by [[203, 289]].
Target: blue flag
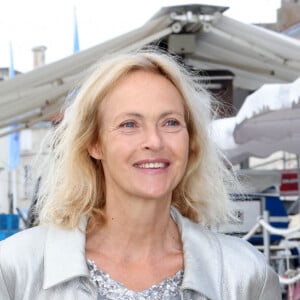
[[14, 149], [14, 138], [76, 47], [12, 72]]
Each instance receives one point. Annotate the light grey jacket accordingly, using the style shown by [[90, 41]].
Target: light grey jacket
[[47, 262]]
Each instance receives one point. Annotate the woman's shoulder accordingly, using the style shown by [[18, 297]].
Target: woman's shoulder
[[234, 265], [239, 257], [26, 243], [21, 262], [232, 244], [242, 266], [243, 263]]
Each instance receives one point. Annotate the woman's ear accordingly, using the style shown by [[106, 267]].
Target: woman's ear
[[95, 151]]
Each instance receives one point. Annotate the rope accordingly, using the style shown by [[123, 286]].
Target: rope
[[289, 281], [282, 232], [251, 232], [270, 229], [273, 230]]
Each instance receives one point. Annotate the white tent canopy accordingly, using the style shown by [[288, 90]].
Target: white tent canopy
[[272, 113], [256, 56], [268, 121], [222, 134]]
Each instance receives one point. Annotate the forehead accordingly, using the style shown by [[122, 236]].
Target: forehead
[[144, 92]]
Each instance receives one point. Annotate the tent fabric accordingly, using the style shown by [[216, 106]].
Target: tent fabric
[[27, 96], [271, 114], [222, 134], [268, 121], [256, 56], [270, 101]]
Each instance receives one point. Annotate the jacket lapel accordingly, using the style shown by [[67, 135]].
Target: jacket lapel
[[64, 255], [202, 258]]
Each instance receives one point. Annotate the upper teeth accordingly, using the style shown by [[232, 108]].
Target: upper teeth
[[154, 165]]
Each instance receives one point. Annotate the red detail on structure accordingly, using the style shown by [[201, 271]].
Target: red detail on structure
[[289, 183]]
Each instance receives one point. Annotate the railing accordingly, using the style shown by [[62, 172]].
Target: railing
[[267, 228]]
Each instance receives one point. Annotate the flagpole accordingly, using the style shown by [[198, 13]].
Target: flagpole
[[76, 46]]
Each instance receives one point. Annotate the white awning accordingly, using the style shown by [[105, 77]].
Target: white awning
[[256, 56], [267, 122], [34, 96]]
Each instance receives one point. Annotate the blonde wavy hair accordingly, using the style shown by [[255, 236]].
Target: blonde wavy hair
[[73, 184]]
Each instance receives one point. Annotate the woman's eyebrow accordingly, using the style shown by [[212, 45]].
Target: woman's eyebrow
[[141, 116], [171, 112], [128, 115]]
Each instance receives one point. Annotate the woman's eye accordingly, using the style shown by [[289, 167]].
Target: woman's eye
[[128, 124], [172, 123]]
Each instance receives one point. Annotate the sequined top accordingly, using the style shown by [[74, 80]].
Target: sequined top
[[108, 289]]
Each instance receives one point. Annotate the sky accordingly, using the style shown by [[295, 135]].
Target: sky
[[30, 23]]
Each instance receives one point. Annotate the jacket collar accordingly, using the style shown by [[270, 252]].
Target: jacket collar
[[64, 254], [202, 258]]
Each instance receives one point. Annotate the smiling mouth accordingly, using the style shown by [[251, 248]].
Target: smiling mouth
[[152, 165]]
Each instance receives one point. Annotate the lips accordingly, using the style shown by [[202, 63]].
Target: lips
[[152, 164]]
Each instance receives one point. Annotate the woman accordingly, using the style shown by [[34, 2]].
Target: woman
[[133, 172]]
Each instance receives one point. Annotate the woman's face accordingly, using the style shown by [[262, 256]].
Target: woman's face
[[144, 142]]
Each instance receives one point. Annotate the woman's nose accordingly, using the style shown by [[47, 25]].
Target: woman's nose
[[152, 139]]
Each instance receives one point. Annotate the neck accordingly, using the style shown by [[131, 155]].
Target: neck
[[136, 229]]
